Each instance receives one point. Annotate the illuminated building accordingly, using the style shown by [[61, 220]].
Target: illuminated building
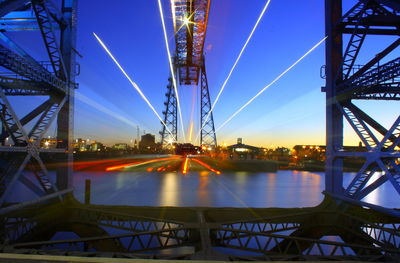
[[96, 147], [242, 151], [121, 146], [81, 145]]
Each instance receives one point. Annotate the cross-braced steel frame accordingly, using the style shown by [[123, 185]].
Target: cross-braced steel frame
[[190, 67], [169, 132], [207, 134], [201, 233], [346, 82], [21, 153]]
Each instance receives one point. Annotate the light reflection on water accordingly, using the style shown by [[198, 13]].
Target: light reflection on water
[[240, 189], [281, 189]]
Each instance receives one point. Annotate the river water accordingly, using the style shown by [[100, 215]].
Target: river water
[[239, 189]]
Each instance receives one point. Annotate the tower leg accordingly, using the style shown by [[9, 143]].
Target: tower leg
[[207, 134], [170, 117], [334, 118], [65, 119]]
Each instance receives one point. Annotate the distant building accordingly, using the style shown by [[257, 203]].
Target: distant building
[[314, 152], [243, 151], [281, 155], [121, 146], [147, 143], [81, 145], [317, 152], [96, 147]]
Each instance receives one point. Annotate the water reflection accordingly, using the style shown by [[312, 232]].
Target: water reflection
[[203, 193], [169, 190], [281, 189]]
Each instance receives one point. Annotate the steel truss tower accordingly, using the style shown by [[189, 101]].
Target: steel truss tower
[[22, 159], [348, 82], [207, 134], [170, 116], [190, 67]]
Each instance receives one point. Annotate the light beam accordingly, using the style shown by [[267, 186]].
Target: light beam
[[270, 84], [131, 81], [234, 66], [171, 68]]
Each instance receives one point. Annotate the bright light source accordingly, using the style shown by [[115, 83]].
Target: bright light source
[[186, 21], [241, 150], [170, 140]]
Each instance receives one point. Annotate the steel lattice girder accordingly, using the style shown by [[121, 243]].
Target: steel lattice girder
[[170, 117], [30, 77], [207, 133], [285, 236], [190, 37], [345, 82]]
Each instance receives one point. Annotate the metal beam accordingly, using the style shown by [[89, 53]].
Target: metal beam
[[373, 123], [378, 208], [394, 4], [334, 118], [7, 6], [19, 50], [12, 61], [65, 119], [207, 133], [11, 208], [373, 61], [374, 31], [46, 28], [27, 118]]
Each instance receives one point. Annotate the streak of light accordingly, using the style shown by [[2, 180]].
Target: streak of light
[[171, 69], [190, 137], [173, 14], [117, 167], [207, 166], [102, 108], [270, 84], [190, 131], [234, 66], [185, 167], [131, 81]]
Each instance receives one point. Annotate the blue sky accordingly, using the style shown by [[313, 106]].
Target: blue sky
[[290, 112]]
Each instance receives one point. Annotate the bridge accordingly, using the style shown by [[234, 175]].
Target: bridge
[[365, 231]]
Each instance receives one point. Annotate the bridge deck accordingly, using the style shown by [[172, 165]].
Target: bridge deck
[[190, 26]]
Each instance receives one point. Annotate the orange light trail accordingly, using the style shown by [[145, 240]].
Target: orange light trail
[[207, 166], [185, 166], [117, 167]]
